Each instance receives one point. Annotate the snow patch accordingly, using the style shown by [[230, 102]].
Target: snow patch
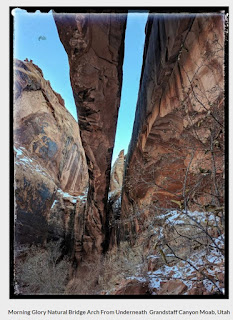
[[29, 163], [140, 279], [54, 202], [71, 198], [18, 152], [187, 273]]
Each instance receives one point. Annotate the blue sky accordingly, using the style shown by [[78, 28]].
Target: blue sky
[[134, 45], [31, 28]]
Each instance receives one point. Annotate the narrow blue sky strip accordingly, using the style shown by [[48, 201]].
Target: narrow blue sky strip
[[134, 45]]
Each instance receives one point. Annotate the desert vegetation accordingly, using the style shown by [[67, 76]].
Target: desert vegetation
[[41, 269]]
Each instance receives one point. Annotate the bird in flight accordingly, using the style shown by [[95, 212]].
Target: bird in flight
[[42, 38]]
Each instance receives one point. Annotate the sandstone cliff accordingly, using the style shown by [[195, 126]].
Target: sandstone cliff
[[50, 166], [95, 47], [175, 156], [116, 179]]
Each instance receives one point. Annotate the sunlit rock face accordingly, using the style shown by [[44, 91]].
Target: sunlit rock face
[[51, 176], [116, 179], [95, 47], [176, 153]]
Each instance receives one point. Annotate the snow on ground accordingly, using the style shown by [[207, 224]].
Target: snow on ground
[[176, 217], [140, 279], [210, 262]]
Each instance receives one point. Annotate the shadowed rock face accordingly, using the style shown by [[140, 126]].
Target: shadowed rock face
[[50, 164], [172, 155], [114, 197], [95, 47]]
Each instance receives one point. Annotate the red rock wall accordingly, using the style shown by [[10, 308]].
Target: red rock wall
[[176, 151], [95, 47], [50, 165]]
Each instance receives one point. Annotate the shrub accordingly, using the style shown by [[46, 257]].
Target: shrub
[[41, 270]]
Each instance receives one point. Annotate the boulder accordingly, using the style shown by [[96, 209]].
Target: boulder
[[172, 287], [132, 287]]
